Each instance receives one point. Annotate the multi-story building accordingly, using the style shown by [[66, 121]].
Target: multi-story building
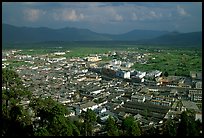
[[195, 94]]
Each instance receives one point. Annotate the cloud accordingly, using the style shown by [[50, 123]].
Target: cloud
[[144, 14], [104, 16], [181, 11], [134, 17], [112, 14], [33, 15], [28, 3], [67, 15], [118, 17]]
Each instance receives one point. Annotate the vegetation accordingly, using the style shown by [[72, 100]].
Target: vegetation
[[111, 127], [188, 126], [170, 128], [130, 127], [15, 118], [89, 118], [173, 61]]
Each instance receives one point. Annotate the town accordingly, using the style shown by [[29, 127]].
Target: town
[[107, 84]]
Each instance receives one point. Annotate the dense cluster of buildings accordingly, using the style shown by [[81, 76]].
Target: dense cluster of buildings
[[110, 89]]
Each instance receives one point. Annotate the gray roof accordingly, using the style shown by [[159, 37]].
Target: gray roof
[[190, 105], [88, 104]]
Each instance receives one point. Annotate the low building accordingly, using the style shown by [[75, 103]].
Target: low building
[[199, 85], [123, 74], [89, 105], [93, 59], [198, 116], [116, 62], [59, 53], [188, 105], [137, 79], [138, 98], [195, 94], [155, 73], [140, 74], [127, 64]]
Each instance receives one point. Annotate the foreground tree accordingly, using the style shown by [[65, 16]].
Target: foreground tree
[[89, 118], [13, 91], [16, 120], [131, 127], [169, 128], [111, 127], [52, 120], [188, 125]]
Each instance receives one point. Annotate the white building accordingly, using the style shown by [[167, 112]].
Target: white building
[[195, 94], [140, 74], [97, 91], [93, 58], [59, 53], [89, 105], [115, 62], [155, 73], [123, 74], [198, 116], [199, 85], [127, 64]]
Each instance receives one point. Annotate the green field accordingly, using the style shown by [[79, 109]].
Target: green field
[[175, 60]]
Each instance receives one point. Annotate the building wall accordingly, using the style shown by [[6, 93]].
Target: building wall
[[198, 116], [123, 74], [199, 85]]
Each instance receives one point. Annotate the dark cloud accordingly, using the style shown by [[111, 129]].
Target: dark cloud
[[115, 17]]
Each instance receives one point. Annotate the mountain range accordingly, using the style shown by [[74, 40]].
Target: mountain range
[[14, 34]]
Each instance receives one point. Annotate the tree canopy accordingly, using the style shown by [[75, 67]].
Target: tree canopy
[[131, 127], [111, 127]]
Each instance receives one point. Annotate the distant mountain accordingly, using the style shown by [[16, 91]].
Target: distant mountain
[[175, 38], [13, 34], [138, 35], [27, 34]]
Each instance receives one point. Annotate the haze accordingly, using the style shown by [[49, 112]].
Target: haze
[[106, 17]]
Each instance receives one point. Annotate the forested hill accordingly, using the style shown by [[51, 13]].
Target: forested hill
[[193, 38], [13, 34]]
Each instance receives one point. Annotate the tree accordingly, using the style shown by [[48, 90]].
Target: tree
[[89, 118], [98, 120], [79, 126], [169, 128], [13, 91], [52, 118], [187, 125], [166, 74], [131, 127], [111, 127], [16, 120], [151, 131]]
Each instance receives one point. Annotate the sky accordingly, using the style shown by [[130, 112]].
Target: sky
[[106, 17]]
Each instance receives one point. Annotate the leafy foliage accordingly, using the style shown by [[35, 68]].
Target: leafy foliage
[[52, 118], [169, 128], [111, 127], [131, 127], [187, 126], [15, 118], [89, 118]]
